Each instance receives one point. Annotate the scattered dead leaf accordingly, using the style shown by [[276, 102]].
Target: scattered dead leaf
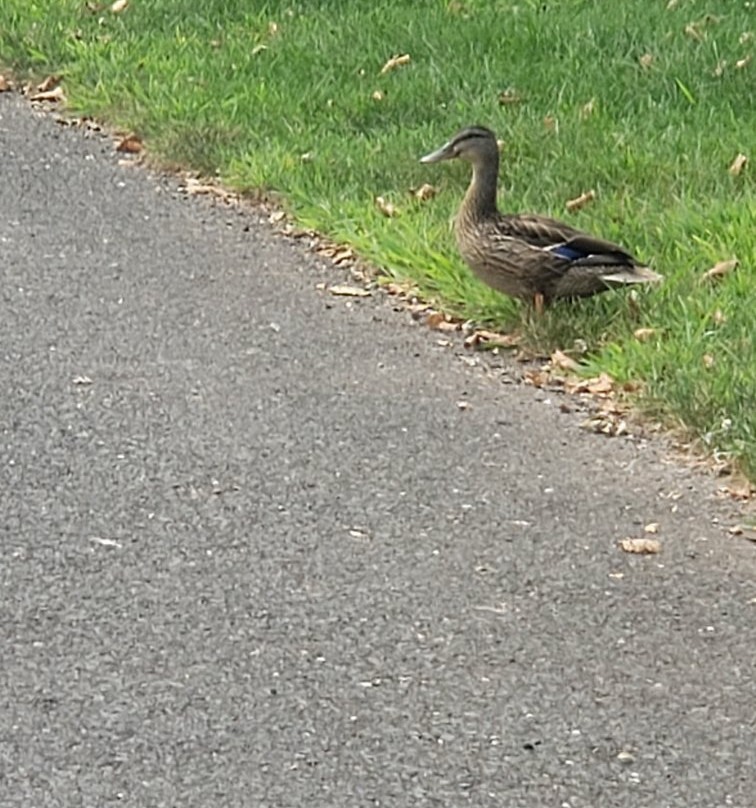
[[439, 321], [646, 60], [719, 317], [339, 255], [510, 96], [54, 95], [738, 164], [720, 269], [644, 334], [386, 208], [580, 201], [119, 6], [745, 37], [606, 423], [719, 68], [394, 62], [707, 360], [131, 144], [603, 384], [5, 84], [560, 360], [377, 95], [693, 30], [484, 337], [425, 192], [342, 290], [587, 109], [48, 83], [536, 378], [640, 546], [738, 487], [744, 62], [651, 527], [402, 288], [551, 123]]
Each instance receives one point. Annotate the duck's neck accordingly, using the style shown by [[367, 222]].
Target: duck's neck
[[480, 198]]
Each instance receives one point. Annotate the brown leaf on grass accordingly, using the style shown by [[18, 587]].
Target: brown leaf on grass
[[744, 62], [644, 334], [425, 192], [394, 62], [719, 68], [708, 360], [510, 96], [719, 270], [386, 208], [536, 378], [131, 144], [48, 83], [580, 201], [719, 317], [587, 109], [551, 123], [343, 290], [377, 95], [646, 60], [640, 546], [54, 95], [738, 164], [5, 84], [119, 6], [694, 32], [560, 360]]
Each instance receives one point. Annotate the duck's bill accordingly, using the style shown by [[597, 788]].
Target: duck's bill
[[446, 152]]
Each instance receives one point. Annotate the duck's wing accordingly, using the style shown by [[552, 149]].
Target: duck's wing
[[563, 240]]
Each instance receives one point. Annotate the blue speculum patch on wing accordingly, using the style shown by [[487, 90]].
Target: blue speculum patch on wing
[[563, 251]]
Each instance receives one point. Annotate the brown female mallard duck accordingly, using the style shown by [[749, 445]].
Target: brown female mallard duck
[[528, 256]]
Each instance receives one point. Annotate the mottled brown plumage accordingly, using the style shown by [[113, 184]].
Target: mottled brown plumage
[[528, 256]]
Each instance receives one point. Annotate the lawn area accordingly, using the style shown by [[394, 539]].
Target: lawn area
[[647, 103]]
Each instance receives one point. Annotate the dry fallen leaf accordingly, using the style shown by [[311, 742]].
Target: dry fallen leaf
[[720, 269], [394, 62], [386, 208], [739, 487], [580, 201], [5, 85], [651, 527], [484, 337], [48, 83], [551, 123], [643, 334], [130, 144], [708, 360], [646, 60], [641, 546], [348, 291], [119, 6], [719, 317], [738, 164], [377, 96], [510, 96], [563, 362], [439, 321], [598, 385], [744, 62], [55, 94], [587, 109], [425, 192], [694, 32], [538, 378]]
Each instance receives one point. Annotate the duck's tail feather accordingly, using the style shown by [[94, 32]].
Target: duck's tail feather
[[635, 274]]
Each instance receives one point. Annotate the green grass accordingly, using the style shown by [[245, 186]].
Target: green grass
[[243, 89]]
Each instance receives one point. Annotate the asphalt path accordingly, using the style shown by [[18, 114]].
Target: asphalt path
[[254, 553]]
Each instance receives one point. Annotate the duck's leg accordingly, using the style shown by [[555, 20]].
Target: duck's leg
[[538, 303]]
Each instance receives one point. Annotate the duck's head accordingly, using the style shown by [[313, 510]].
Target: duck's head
[[473, 143]]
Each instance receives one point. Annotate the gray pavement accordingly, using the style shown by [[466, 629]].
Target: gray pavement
[[253, 553]]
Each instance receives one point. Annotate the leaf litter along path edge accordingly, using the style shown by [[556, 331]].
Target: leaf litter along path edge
[[609, 409]]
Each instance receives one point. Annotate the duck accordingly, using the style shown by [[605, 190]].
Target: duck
[[527, 256]]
